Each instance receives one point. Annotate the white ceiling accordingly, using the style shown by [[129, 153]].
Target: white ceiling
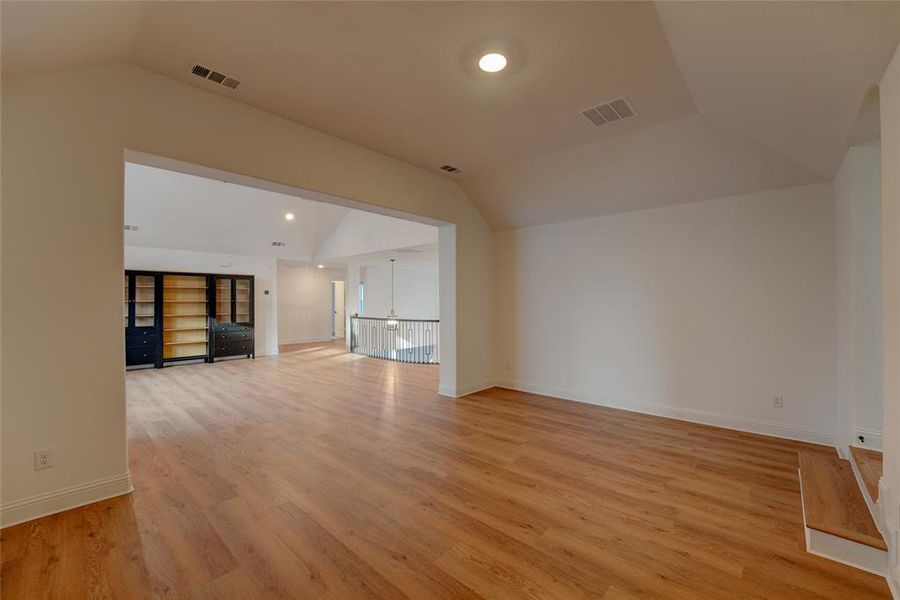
[[185, 212], [790, 75], [733, 97], [422, 258]]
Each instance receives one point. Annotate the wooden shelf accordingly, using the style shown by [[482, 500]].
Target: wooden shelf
[[187, 329], [186, 315], [183, 287], [181, 343]]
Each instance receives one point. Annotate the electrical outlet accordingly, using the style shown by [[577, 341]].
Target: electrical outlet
[[777, 401], [43, 459]]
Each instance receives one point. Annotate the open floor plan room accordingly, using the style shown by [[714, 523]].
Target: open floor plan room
[[435, 299]]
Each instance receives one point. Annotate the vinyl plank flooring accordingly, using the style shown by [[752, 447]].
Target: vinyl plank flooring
[[320, 474]]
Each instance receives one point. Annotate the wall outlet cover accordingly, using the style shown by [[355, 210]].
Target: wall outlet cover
[[43, 459]]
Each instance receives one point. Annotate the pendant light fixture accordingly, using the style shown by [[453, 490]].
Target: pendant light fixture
[[392, 322]]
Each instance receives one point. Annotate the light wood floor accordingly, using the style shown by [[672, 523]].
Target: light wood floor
[[317, 474]]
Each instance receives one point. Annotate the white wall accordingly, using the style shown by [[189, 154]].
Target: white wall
[[889, 496], [263, 269], [701, 311], [857, 202], [416, 293], [75, 124], [304, 302]]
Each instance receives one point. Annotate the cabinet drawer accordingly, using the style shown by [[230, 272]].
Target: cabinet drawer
[[140, 356], [232, 327], [140, 339], [233, 336], [233, 348]]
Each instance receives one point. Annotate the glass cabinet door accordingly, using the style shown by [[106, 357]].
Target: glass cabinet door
[[127, 300], [242, 301], [223, 300], [144, 300]]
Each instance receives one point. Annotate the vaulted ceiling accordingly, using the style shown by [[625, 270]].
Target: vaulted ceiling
[[185, 212], [179, 211], [732, 97]]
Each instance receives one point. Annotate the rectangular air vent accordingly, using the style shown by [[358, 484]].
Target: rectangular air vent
[[450, 169], [279, 244], [131, 228], [214, 76], [200, 71], [614, 110]]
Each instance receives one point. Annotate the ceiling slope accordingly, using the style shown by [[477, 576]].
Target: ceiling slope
[[46, 36], [186, 212], [791, 75], [399, 77], [680, 161], [778, 85]]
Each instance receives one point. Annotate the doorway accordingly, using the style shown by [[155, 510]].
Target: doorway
[[338, 301]]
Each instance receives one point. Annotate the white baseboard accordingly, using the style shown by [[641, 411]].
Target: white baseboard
[[892, 537], [310, 340], [773, 428], [41, 505], [874, 439], [465, 389], [852, 554]]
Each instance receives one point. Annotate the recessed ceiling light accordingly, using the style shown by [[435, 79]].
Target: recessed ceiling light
[[492, 62], [289, 217], [321, 266]]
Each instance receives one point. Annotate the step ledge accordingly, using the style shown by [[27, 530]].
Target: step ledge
[[871, 503], [847, 552]]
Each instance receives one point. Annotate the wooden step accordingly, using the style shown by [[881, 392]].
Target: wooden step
[[833, 502], [869, 463]]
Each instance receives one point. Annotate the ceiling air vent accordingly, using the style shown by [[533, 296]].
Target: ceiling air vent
[[200, 71], [131, 228], [214, 76], [279, 244], [614, 110], [450, 169]]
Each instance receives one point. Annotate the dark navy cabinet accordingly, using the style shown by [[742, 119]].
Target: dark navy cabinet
[[232, 331], [142, 318]]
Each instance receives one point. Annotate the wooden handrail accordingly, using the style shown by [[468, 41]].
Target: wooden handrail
[[396, 319]]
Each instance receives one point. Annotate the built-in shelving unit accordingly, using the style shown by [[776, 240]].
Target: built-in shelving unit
[[173, 317], [185, 317]]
